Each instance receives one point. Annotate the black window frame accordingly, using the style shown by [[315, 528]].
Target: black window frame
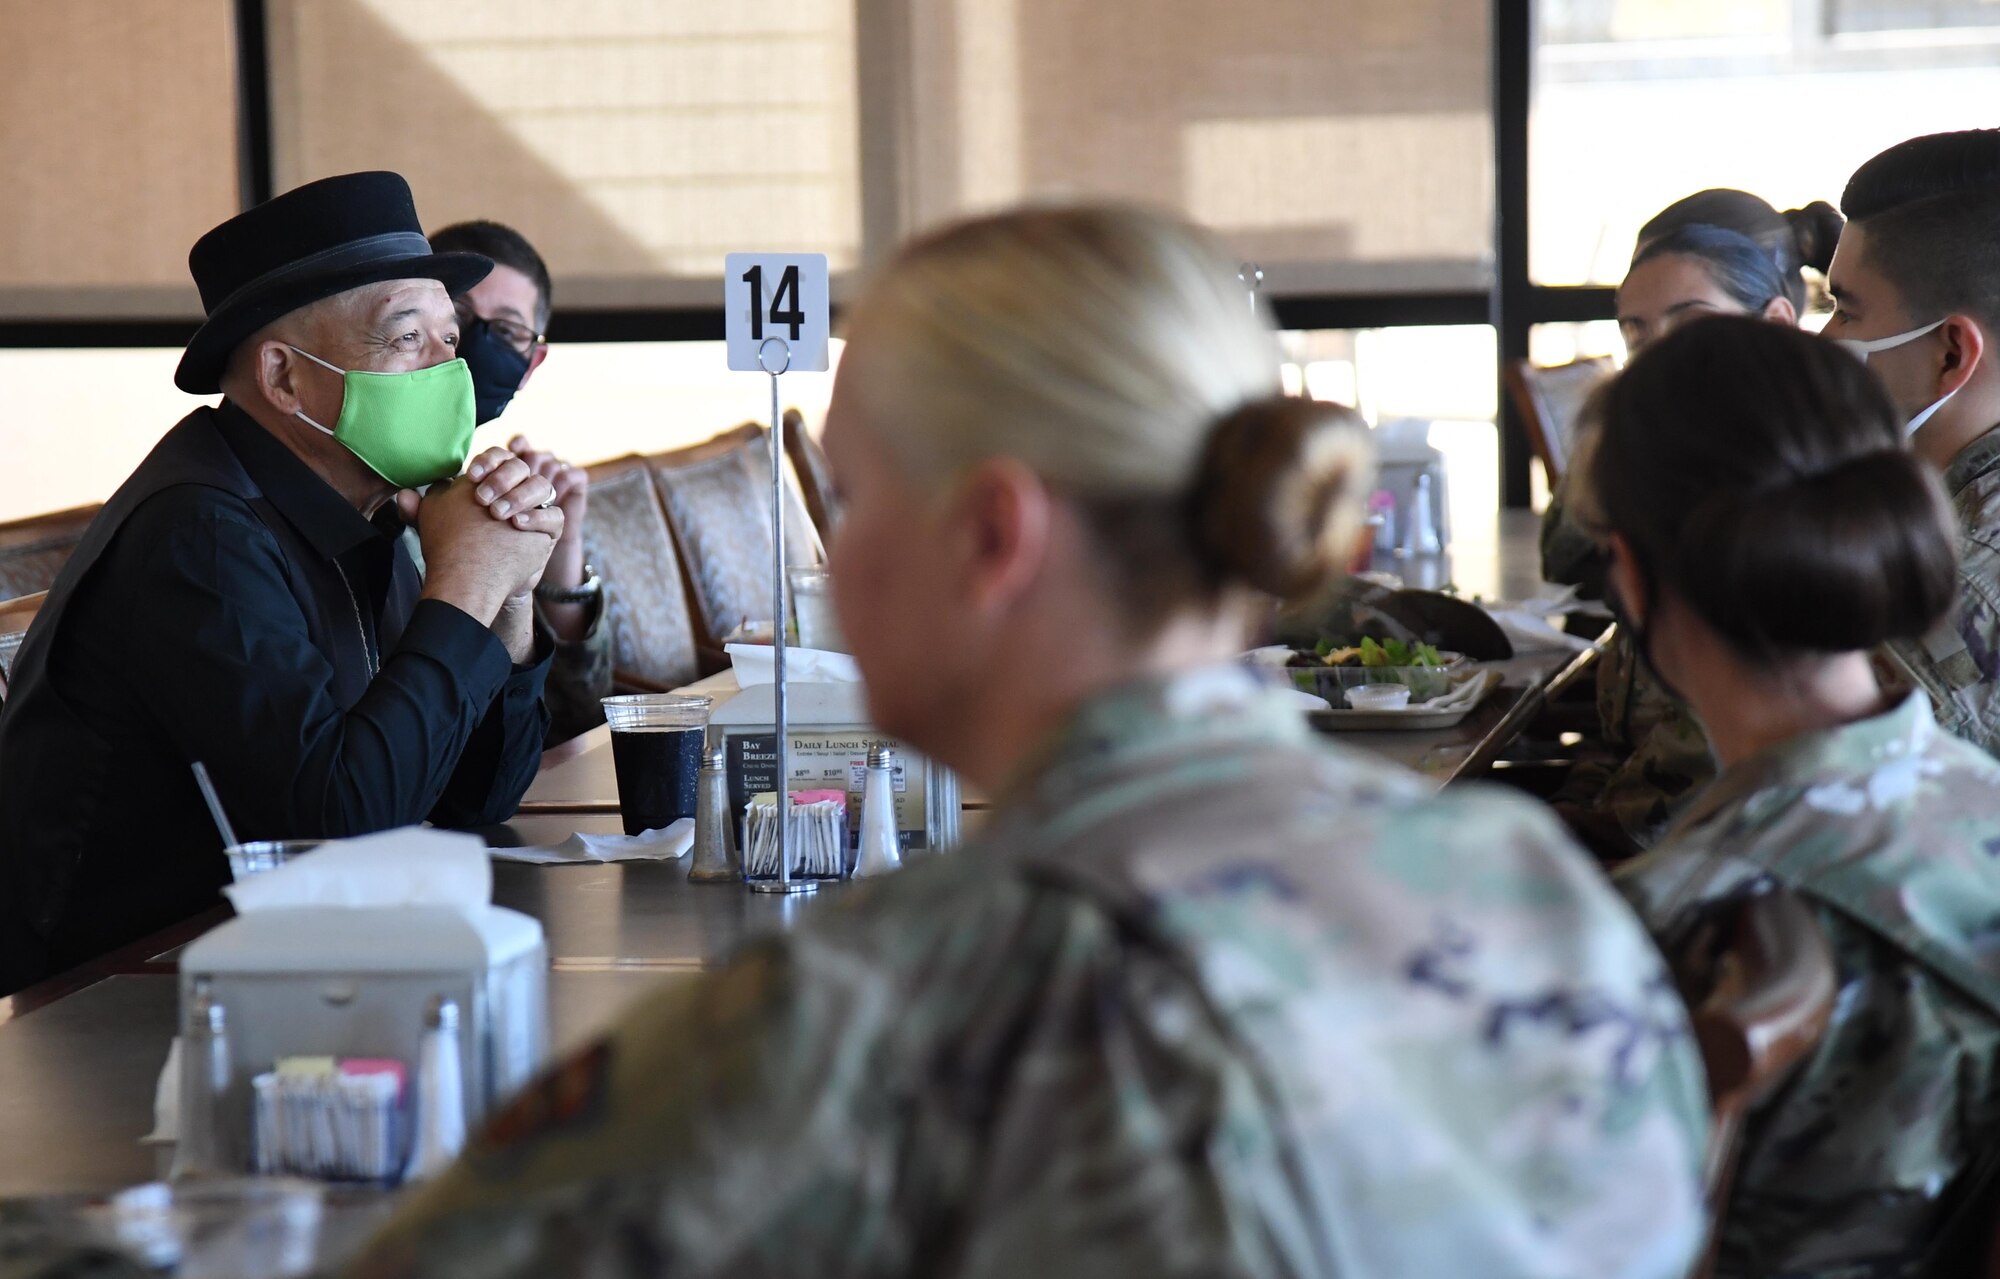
[[1512, 304]]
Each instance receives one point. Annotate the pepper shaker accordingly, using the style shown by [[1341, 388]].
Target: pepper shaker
[[715, 859]]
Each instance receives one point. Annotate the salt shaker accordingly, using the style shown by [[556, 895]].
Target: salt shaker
[[204, 1147], [440, 1094], [715, 859], [1421, 535], [880, 850]]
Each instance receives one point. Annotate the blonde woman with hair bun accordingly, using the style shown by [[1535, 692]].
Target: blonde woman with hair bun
[[1207, 995]]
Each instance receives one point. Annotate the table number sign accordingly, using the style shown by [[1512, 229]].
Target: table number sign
[[777, 317], [776, 295]]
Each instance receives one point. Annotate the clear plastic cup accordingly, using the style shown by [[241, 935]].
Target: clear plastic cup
[[812, 608], [656, 748], [260, 855]]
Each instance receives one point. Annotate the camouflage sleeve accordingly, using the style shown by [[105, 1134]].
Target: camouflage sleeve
[[1849, 1168], [1665, 770], [579, 674], [1958, 663], [1853, 1160], [1669, 757], [724, 1126], [1669, 885], [1570, 556]]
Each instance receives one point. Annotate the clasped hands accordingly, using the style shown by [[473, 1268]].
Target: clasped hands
[[487, 535]]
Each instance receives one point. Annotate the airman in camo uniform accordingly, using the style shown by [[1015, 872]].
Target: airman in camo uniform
[[1916, 280], [1210, 998]]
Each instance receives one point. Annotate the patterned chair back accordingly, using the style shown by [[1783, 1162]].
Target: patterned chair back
[[815, 477], [15, 617], [1550, 400], [652, 629], [717, 499], [33, 551]]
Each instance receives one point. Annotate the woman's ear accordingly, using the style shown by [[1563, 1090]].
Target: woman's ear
[[1006, 515], [1779, 310], [1628, 580]]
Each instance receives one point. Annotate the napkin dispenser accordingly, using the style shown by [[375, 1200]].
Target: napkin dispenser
[[347, 982], [830, 736]]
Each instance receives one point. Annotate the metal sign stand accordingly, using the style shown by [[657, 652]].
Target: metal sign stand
[[775, 357], [1252, 277]]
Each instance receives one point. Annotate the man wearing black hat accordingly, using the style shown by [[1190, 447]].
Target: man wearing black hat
[[242, 600]]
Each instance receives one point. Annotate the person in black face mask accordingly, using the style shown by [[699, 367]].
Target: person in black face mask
[[501, 322]]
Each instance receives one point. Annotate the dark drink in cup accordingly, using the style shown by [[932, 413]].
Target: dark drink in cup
[[658, 769], [656, 747]]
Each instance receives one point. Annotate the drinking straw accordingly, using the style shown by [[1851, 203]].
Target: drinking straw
[[214, 804]]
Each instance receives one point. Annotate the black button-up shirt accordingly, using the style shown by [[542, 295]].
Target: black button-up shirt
[[235, 609]]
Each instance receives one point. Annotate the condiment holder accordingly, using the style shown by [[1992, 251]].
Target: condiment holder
[[404, 1007]]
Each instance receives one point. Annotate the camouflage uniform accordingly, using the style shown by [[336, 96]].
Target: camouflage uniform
[[1890, 828], [1669, 759], [1958, 663], [1658, 753], [1209, 998]]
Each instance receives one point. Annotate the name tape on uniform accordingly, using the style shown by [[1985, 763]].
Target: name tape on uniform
[[781, 295]]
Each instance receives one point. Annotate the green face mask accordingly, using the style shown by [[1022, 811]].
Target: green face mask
[[411, 428]]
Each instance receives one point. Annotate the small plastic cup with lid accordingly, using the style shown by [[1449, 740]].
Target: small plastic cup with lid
[[1379, 697]]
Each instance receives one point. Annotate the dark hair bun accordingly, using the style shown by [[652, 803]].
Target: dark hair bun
[[1816, 230], [1847, 559], [1758, 474], [1280, 493]]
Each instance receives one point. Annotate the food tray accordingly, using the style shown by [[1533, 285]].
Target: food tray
[[1412, 719], [1416, 719], [1332, 682]]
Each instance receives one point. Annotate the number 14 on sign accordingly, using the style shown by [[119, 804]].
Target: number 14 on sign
[[776, 295]]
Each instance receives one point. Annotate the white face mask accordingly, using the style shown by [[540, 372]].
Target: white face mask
[[1865, 347]]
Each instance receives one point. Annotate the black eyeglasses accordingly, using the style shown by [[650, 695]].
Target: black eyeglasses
[[524, 340]]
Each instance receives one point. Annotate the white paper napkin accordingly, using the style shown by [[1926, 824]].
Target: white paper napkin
[[408, 867], [1463, 696], [754, 663], [1526, 622], [666, 844]]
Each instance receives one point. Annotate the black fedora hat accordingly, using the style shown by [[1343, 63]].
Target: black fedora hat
[[312, 242]]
